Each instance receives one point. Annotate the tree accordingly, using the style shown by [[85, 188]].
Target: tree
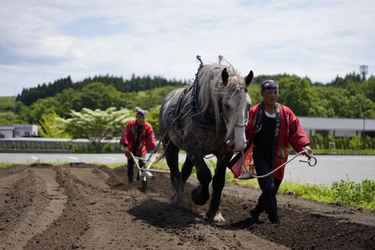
[[49, 127], [369, 88], [152, 117], [69, 99], [300, 96], [97, 125], [35, 112], [5, 122], [99, 96], [254, 93], [152, 98]]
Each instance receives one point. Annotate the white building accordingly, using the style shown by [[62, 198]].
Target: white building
[[7, 131], [18, 131], [338, 127]]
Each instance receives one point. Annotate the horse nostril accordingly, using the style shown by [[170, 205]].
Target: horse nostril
[[232, 146]]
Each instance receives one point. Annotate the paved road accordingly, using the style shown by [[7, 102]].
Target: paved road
[[66, 158], [328, 169]]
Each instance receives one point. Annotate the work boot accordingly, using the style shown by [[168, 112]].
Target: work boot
[[274, 219], [254, 214]]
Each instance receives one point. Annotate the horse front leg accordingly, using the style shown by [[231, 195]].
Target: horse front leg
[[171, 156], [200, 195], [218, 183]]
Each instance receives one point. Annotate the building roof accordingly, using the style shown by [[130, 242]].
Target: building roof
[[7, 128], [318, 123]]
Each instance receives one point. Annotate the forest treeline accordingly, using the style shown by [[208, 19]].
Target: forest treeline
[[344, 97], [135, 84]]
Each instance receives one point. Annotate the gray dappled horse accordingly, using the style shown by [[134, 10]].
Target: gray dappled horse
[[207, 118]]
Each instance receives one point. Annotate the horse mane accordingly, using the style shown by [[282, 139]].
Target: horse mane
[[212, 87]]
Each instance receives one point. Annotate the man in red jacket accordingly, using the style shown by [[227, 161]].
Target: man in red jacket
[[138, 137], [271, 128]]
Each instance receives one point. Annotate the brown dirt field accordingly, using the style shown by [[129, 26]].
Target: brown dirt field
[[82, 206]]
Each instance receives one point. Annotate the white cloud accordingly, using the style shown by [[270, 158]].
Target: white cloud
[[42, 42]]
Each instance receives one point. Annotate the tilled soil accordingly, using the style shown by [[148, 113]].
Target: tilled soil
[[83, 206]]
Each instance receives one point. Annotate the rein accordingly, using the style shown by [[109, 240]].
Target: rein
[[311, 164]]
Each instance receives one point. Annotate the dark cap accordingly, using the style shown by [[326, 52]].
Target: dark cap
[[141, 112], [269, 84]]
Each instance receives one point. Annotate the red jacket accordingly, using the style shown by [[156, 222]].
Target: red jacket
[[291, 132], [146, 139]]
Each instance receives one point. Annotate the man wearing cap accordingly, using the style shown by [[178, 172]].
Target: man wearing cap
[[271, 128], [138, 137]]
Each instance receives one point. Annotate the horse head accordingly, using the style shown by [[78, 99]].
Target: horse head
[[224, 92], [235, 107]]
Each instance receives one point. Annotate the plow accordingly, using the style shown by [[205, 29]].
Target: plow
[[146, 173]]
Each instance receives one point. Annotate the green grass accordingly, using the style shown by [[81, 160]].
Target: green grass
[[7, 164], [341, 193]]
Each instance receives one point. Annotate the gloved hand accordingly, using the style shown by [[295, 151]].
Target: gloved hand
[[309, 152]]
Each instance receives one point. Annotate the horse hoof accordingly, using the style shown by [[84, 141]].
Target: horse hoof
[[217, 219], [177, 201], [197, 196]]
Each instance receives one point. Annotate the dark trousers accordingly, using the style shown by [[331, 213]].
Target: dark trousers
[[269, 185], [141, 163]]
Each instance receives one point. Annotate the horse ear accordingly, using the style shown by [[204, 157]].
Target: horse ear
[[225, 76], [249, 78]]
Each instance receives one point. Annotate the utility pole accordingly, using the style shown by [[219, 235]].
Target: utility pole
[[14, 108], [364, 124]]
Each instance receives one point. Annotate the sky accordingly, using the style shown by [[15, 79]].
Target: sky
[[42, 41]]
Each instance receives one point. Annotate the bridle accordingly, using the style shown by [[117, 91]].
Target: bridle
[[223, 117], [235, 125]]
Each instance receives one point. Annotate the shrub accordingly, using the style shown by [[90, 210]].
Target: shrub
[[356, 143], [108, 148], [319, 139], [349, 193]]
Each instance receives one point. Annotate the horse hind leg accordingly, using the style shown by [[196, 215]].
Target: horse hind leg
[[171, 156]]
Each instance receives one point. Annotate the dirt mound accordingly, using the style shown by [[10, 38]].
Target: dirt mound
[[83, 206]]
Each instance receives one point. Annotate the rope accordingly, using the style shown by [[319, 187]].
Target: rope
[[311, 157]]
